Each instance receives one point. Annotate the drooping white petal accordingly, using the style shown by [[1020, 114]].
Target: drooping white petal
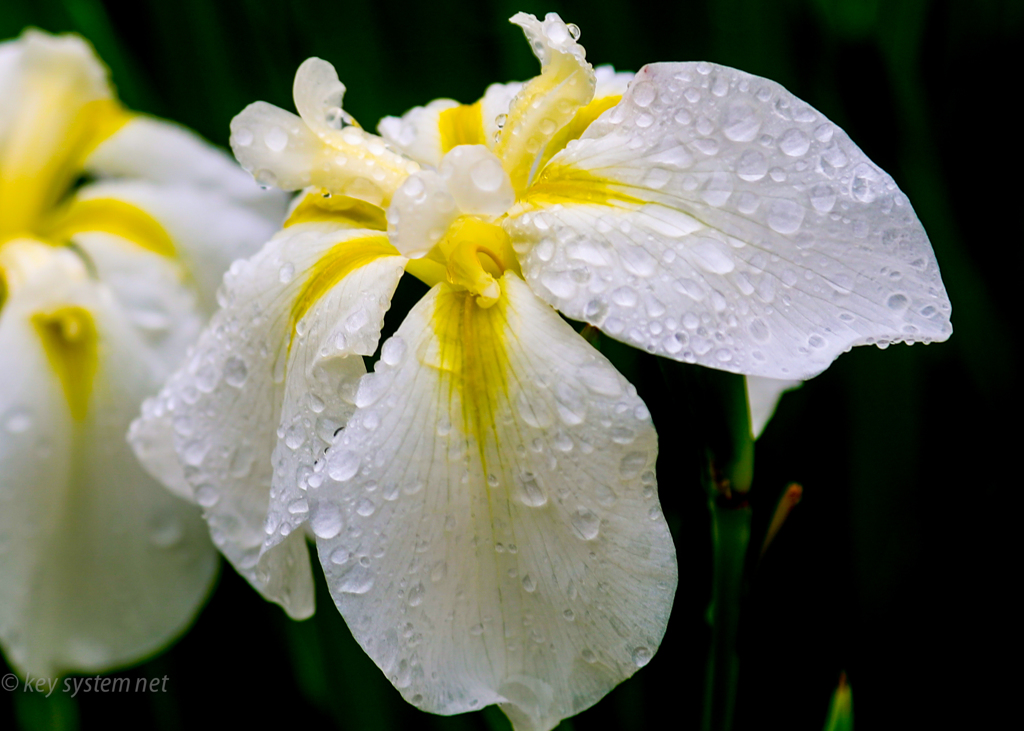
[[324, 368], [417, 133], [715, 218], [763, 395], [209, 230], [499, 537], [99, 564], [224, 405], [162, 152]]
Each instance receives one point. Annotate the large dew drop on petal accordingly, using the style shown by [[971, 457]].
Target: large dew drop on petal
[[503, 538]]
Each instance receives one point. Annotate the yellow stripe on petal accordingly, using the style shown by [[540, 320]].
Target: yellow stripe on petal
[[472, 352], [575, 129], [461, 125], [338, 209], [547, 102], [71, 343], [564, 184], [341, 260], [43, 156], [112, 216]]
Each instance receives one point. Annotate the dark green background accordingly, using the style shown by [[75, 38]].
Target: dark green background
[[897, 564]]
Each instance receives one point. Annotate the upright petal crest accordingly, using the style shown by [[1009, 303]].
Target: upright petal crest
[[317, 148], [548, 102]]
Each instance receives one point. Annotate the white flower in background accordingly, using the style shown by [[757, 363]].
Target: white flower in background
[[484, 503], [103, 284]]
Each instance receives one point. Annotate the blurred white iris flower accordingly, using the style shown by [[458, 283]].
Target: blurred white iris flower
[[484, 503], [114, 229]]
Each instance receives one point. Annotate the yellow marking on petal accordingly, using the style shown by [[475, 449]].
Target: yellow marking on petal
[[545, 104], [3, 289], [338, 209], [461, 125], [71, 343], [472, 353], [340, 261], [45, 150], [575, 129], [111, 216], [567, 185]]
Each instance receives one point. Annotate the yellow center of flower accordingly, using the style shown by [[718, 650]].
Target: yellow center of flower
[[58, 109]]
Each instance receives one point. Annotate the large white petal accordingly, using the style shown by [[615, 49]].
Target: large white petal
[[147, 148], [715, 218], [498, 532], [99, 565], [224, 407], [208, 228]]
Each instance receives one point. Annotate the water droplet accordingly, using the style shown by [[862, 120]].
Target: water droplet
[[632, 464], [642, 656], [365, 507], [416, 594], [487, 174], [752, 166], [340, 555], [358, 580], [644, 93], [243, 137], [343, 466], [276, 139], [794, 143], [897, 302], [439, 571], [393, 351], [265, 178], [206, 495], [326, 521], [785, 216], [235, 372], [823, 198], [574, 31], [18, 420], [529, 492], [528, 584], [585, 523], [588, 656]]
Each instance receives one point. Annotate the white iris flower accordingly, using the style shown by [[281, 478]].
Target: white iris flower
[[484, 503], [102, 286]]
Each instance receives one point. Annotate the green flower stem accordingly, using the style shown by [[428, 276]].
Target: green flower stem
[[730, 534], [715, 402]]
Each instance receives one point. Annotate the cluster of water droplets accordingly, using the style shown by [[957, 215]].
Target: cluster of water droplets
[[411, 560], [767, 241]]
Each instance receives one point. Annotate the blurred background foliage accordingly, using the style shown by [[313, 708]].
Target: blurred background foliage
[[895, 567]]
